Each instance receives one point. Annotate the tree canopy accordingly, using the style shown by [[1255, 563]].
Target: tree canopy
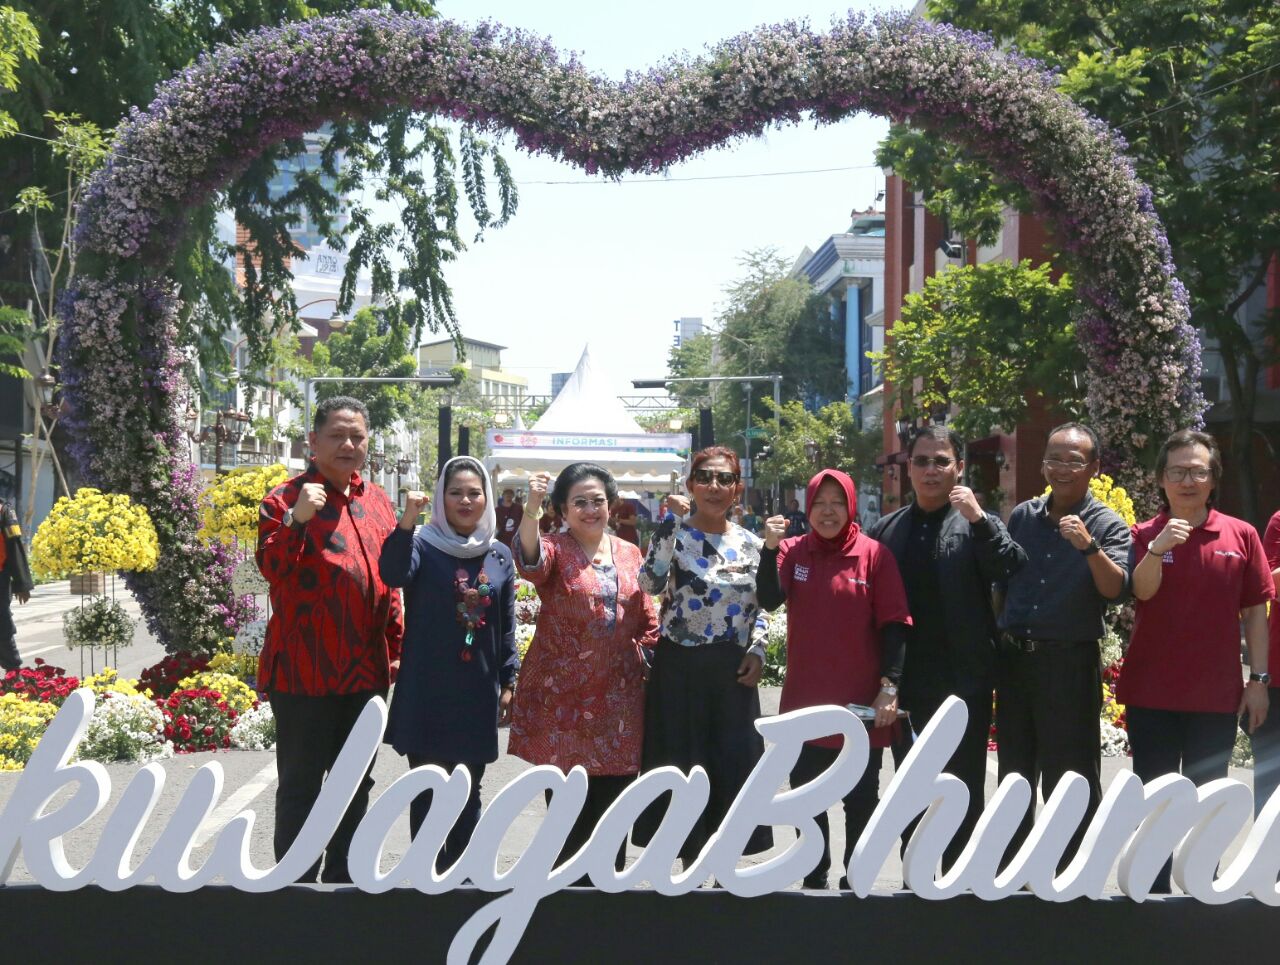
[[97, 61], [1192, 87], [985, 339]]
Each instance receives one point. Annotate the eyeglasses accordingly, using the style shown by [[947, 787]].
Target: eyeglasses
[[582, 504], [1177, 474], [924, 462], [705, 477], [1057, 465]]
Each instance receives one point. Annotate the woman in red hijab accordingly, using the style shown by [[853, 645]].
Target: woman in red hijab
[[846, 635]]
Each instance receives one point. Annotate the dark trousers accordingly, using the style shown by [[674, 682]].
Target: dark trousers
[[1266, 755], [460, 834], [859, 804], [1196, 745], [1048, 722], [10, 659], [968, 763], [696, 713], [602, 791], [310, 732]]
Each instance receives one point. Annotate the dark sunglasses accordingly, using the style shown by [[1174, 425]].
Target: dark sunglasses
[[706, 476]]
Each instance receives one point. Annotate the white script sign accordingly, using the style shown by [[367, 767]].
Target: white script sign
[[1138, 826]]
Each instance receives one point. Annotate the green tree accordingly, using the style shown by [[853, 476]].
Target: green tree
[[469, 408], [102, 59], [770, 323], [19, 41], [826, 439], [1193, 87], [773, 322], [986, 339], [374, 344]]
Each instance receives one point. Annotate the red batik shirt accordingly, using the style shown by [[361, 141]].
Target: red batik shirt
[[335, 627]]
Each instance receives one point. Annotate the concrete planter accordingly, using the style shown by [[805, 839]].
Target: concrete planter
[[89, 584]]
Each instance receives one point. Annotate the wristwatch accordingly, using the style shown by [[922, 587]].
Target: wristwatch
[[1262, 678], [889, 690], [288, 520], [1092, 548]]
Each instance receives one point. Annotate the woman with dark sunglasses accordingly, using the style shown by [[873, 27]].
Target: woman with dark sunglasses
[[701, 703]]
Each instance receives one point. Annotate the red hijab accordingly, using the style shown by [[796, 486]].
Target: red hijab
[[843, 541]]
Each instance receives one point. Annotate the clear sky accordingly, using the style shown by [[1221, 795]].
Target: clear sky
[[615, 263]]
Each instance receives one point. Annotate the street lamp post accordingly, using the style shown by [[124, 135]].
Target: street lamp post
[[227, 427], [774, 377]]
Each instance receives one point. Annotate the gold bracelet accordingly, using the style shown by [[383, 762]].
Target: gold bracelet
[[539, 512]]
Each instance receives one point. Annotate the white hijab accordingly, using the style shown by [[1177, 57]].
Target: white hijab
[[440, 534]]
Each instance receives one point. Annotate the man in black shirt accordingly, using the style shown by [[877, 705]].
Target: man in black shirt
[[1050, 686], [797, 523], [950, 553]]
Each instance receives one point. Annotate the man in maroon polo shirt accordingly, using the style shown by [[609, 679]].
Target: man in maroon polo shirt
[[333, 641]]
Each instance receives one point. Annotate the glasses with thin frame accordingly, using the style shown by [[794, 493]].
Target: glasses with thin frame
[[706, 477], [924, 462], [1177, 474], [582, 503], [1058, 465]]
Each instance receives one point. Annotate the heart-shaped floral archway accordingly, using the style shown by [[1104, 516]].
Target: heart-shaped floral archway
[[122, 369]]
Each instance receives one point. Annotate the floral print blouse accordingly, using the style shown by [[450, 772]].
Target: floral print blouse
[[708, 581]]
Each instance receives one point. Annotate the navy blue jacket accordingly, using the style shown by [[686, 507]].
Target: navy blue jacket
[[444, 707]]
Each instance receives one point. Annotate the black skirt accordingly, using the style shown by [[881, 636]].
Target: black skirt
[[696, 713]]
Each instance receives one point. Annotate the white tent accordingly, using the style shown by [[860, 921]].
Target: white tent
[[587, 422]]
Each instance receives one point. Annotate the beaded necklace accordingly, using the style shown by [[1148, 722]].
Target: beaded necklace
[[472, 602]]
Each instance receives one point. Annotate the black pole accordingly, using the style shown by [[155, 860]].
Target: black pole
[[444, 444], [464, 440], [706, 429]]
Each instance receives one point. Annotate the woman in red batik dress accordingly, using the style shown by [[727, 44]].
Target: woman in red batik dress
[[580, 695]]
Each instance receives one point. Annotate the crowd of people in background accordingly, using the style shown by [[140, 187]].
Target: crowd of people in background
[[939, 599]]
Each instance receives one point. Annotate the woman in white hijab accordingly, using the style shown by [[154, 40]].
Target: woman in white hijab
[[459, 662]]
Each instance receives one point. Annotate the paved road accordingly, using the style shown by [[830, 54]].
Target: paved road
[[250, 776], [40, 631]]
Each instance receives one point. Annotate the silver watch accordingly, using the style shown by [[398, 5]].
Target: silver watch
[[889, 690], [288, 519]]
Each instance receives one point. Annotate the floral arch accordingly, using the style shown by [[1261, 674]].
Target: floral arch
[[122, 369]]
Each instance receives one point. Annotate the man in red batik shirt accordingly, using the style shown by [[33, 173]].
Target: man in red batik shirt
[[333, 641]]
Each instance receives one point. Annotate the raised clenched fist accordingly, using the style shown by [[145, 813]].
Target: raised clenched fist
[[415, 501], [310, 501], [775, 527]]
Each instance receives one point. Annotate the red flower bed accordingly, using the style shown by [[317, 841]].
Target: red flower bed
[[41, 682], [197, 720], [162, 678]]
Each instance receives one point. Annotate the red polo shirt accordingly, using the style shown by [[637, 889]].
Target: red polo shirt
[[1185, 650], [335, 627], [1271, 543], [836, 604]]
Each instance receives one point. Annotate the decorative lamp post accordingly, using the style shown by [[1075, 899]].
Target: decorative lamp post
[[227, 427], [48, 386]]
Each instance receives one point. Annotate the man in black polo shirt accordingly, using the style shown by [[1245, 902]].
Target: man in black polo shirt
[[950, 553], [1049, 686]]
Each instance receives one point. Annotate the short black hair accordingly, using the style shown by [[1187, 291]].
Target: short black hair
[[942, 433], [573, 474], [1083, 430], [1183, 439], [338, 403]]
